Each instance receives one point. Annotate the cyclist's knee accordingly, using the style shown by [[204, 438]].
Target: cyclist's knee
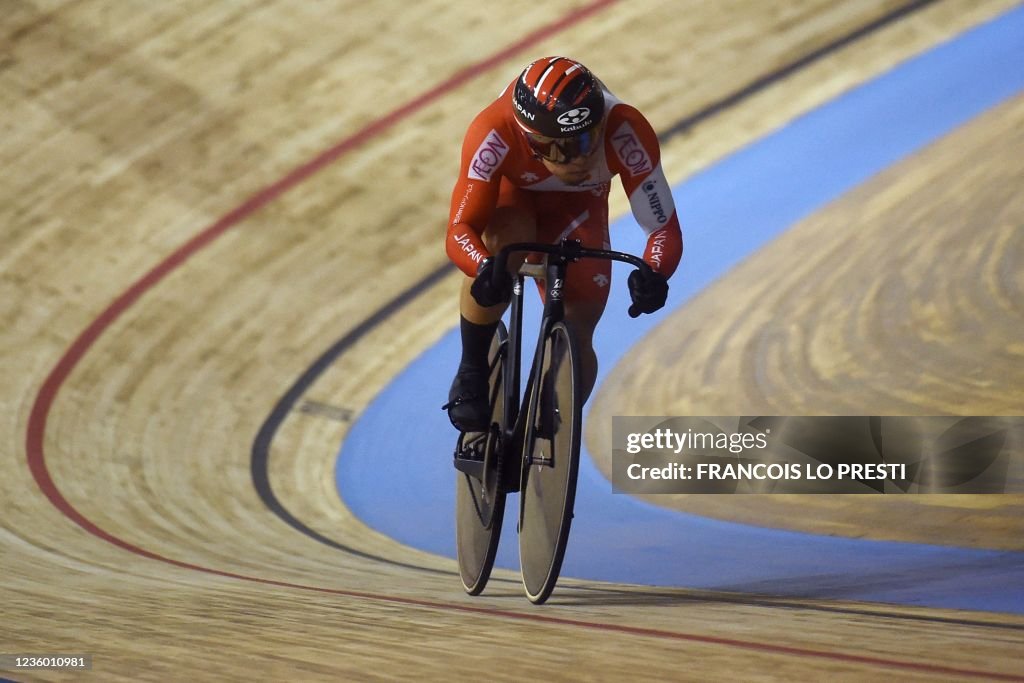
[[583, 316], [588, 368]]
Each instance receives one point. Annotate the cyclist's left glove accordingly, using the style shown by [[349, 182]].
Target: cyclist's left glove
[[648, 292]]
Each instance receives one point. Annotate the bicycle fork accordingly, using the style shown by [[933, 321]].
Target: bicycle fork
[[554, 310]]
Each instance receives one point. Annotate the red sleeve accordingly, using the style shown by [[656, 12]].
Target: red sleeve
[[476, 192], [636, 156]]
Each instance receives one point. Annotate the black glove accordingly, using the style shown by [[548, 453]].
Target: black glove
[[648, 292], [483, 289]]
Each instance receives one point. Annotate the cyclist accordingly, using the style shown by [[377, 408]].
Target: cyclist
[[537, 165]]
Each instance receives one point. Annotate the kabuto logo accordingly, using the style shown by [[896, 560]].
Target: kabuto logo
[[488, 157], [574, 117]]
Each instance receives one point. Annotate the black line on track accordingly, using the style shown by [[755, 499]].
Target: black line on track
[[261, 446]]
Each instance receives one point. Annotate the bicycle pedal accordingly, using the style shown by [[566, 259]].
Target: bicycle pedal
[[471, 446], [474, 468]]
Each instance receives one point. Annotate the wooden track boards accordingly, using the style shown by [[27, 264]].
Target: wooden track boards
[[128, 129]]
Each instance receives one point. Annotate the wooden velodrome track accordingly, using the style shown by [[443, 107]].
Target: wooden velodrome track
[[199, 198]]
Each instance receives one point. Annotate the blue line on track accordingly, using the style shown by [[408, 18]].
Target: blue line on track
[[394, 470]]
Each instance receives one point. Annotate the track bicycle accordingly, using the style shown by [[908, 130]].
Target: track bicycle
[[532, 446]]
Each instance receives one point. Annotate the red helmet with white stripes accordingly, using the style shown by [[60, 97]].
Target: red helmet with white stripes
[[557, 97]]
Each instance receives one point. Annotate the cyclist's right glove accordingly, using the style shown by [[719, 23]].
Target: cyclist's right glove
[[647, 292], [483, 289]]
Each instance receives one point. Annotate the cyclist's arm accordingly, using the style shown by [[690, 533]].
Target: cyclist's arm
[[475, 195], [636, 157]]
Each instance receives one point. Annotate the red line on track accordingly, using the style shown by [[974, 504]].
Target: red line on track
[[34, 439], [36, 432]]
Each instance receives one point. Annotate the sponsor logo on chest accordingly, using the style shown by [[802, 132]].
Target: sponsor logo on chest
[[630, 152], [488, 157]]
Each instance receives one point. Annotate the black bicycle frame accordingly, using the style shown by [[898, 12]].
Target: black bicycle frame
[[554, 310]]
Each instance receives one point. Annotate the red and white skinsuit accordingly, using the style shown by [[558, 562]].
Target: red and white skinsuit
[[500, 169]]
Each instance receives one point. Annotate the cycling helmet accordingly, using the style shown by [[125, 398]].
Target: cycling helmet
[[557, 97]]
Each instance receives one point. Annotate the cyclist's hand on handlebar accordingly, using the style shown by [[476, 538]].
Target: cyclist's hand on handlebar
[[648, 292], [483, 289]]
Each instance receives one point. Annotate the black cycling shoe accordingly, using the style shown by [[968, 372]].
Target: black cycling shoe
[[468, 405]]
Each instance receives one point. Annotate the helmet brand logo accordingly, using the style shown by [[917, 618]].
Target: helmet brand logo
[[574, 117]]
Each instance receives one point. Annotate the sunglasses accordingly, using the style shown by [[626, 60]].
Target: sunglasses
[[562, 150]]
